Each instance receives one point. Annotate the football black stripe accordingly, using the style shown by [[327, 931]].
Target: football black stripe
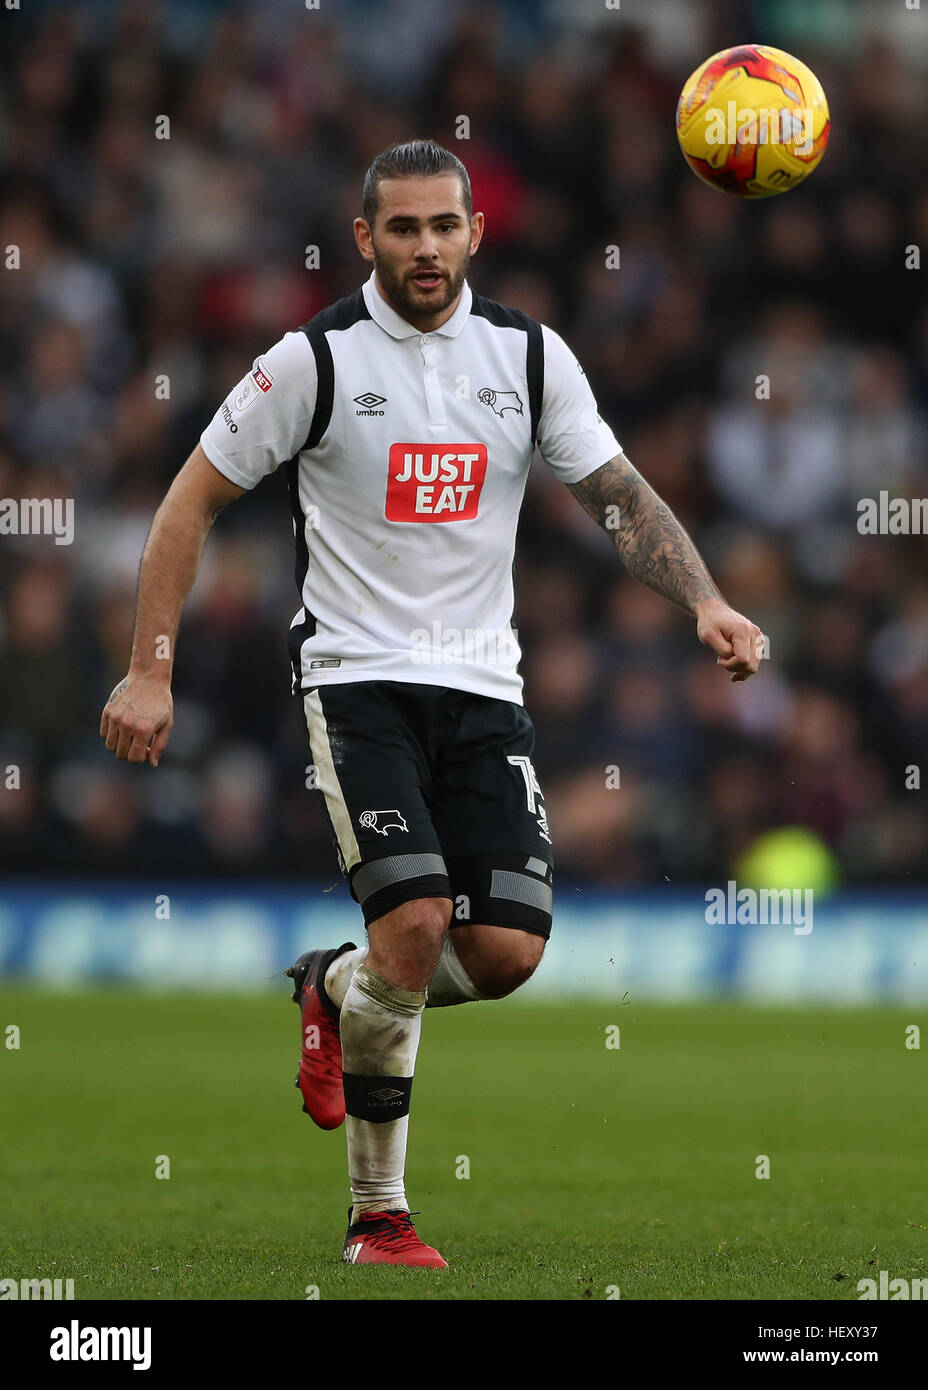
[[335, 318], [345, 312], [502, 316]]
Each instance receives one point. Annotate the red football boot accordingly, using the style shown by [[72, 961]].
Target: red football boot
[[320, 1075], [388, 1238]]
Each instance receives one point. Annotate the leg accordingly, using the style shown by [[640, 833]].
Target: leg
[[405, 944], [497, 959], [367, 740], [380, 1023], [496, 842], [477, 961], [501, 922]]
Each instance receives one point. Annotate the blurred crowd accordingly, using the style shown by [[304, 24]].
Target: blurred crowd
[[142, 259]]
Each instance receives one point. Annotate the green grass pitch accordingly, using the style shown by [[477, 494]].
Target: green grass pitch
[[590, 1168]]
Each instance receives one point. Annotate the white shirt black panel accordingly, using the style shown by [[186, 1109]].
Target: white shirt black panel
[[407, 456]]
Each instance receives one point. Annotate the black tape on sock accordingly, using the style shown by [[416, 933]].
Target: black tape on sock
[[377, 1098]]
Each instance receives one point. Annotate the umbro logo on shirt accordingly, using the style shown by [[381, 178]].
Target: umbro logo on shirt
[[370, 401]]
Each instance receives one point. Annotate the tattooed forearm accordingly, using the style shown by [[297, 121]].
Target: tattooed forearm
[[652, 544]]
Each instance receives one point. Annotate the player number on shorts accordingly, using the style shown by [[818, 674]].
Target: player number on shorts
[[532, 789]]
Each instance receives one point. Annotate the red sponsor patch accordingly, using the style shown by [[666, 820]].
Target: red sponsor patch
[[435, 483], [262, 378]]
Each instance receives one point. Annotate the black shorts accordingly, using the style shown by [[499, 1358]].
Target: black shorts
[[430, 793]]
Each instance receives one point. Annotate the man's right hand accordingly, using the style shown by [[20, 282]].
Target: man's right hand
[[139, 713], [138, 716]]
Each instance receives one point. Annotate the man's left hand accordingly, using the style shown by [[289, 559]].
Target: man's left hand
[[737, 642]]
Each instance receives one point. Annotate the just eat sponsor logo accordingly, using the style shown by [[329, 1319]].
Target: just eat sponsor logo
[[426, 483]]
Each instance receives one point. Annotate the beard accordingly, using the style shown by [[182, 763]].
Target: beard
[[407, 300]]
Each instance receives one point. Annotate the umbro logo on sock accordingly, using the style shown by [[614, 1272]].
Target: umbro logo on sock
[[385, 1093]]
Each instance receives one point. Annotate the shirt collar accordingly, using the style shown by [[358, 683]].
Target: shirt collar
[[381, 312]]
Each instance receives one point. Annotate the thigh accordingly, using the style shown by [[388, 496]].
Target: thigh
[[490, 815], [370, 765]]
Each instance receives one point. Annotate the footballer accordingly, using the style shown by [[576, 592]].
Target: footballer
[[406, 415]]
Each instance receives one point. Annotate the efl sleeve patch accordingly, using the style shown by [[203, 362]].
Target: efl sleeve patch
[[263, 421]]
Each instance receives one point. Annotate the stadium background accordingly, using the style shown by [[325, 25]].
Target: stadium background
[[185, 257]]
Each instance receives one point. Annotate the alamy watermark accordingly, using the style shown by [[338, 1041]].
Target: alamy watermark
[[38, 516], [892, 1289], [77, 1343], [479, 646], [766, 126], [892, 516], [31, 1290], [748, 907]]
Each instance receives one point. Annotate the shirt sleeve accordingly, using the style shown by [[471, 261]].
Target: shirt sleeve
[[265, 419], [572, 435]]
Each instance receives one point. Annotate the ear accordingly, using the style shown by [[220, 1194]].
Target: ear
[[476, 231], [363, 238]]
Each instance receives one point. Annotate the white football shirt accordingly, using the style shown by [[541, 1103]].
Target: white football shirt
[[407, 456]]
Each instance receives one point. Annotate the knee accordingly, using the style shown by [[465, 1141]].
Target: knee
[[406, 943], [510, 968], [423, 921]]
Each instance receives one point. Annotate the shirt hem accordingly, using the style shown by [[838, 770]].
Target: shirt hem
[[451, 677]]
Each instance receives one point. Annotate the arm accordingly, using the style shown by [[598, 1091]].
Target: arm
[[656, 550], [140, 709]]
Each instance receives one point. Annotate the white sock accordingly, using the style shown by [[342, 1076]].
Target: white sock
[[380, 1025], [338, 976], [450, 984]]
